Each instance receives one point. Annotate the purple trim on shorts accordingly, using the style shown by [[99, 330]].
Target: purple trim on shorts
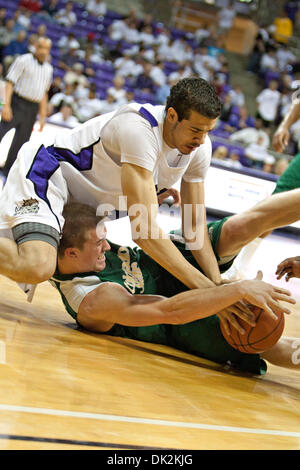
[[46, 162], [147, 115]]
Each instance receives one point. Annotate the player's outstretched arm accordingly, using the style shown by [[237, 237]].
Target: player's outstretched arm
[[289, 268], [110, 303], [138, 186], [282, 135]]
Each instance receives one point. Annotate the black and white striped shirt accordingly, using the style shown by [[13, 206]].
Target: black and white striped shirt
[[31, 78]]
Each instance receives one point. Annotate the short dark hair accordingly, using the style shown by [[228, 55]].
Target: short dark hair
[[79, 218], [194, 94]]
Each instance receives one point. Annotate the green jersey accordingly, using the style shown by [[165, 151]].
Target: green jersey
[[139, 274]]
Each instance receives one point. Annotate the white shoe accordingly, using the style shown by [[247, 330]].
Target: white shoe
[[29, 290]]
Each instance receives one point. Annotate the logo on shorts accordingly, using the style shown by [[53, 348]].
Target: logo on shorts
[[27, 206]]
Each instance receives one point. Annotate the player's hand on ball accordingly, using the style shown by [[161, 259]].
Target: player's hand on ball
[[230, 315], [289, 268], [266, 296]]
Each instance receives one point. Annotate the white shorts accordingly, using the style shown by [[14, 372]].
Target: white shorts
[[33, 192]]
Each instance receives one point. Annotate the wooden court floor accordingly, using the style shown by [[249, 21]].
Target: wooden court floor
[[61, 388]]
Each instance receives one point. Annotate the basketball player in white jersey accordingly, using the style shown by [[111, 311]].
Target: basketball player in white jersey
[[138, 151]]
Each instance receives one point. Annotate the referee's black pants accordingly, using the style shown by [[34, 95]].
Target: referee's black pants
[[24, 117]]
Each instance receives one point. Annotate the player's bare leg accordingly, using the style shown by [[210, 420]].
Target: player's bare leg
[[286, 353], [31, 262], [278, 210]]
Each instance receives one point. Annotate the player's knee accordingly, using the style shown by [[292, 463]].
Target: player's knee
[[235, 230], [36, 274], [36, 265]]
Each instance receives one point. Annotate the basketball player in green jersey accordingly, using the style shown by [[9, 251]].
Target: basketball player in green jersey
[[121, 291], [288, 181]]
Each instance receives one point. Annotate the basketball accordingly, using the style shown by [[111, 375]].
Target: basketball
[[257, 338]]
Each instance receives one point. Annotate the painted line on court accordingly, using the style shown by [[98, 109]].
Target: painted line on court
[[155, 422]]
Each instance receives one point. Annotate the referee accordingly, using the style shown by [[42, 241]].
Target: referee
[[26, 94]]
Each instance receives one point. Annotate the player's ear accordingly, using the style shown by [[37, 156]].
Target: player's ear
[[71, 252], [172, 115]]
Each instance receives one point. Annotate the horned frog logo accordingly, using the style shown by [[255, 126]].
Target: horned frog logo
[[27, 206], [133, 277]]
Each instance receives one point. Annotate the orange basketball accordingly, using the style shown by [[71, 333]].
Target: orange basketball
[[257, 338]]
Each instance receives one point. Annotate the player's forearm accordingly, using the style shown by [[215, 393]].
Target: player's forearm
[[165, 253], [9, 88], [199, 303], [207, 261], [291, 117]]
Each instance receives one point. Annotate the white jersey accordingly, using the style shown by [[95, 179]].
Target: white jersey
[[84, 165]]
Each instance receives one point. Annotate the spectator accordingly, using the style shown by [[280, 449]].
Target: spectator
[[64, 117], [269, 61], [258, 153], [90, 107], [96, 7], [225, 19], [32, 5], [234, 161], [7, 34], [18, 25], [285, 58], [16, 47], [221, 153], [182, 72], [250, 135], [117, 91], [146, 36], [68, 42], [76, 75], [31, 43], [144, 81], [158, 75], [241, 121], [117, 29], [284, 28], [146, 21], [41, 31], [226, 108], [109, 104], [64, 97], [124, 66], [131, 34], [25, 19], [56, 87], [2, 16], [237, 96], [258, 51], [67, 61], [50, 9], [66, 16], [268, 101], [201, 34], [163, 92]]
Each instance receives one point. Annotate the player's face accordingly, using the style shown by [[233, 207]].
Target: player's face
[[186, 135], [92, 256]]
